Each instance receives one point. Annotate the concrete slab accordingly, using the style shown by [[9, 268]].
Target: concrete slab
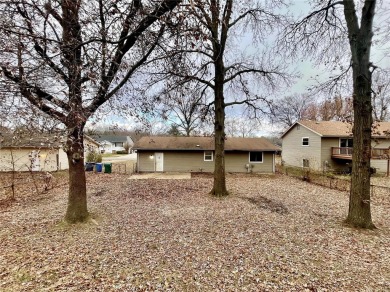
[[161, 175]]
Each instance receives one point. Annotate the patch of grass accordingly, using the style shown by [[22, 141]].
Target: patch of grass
[[23, 276]]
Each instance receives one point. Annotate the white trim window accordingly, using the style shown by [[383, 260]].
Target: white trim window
[[256, 157], [208, 156], [305, 141]]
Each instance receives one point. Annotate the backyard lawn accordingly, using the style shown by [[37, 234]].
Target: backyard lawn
[[273, 233]]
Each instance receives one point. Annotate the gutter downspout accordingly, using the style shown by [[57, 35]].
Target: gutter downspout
[[273, 162]]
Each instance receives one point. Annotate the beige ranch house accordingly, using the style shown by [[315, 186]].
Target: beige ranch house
[[328, 145], [196, 154], [39, 153]]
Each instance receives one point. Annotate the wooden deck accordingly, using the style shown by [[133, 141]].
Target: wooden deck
[[345, 153]]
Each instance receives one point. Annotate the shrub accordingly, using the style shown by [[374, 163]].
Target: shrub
[[94, 157], [121, 152]]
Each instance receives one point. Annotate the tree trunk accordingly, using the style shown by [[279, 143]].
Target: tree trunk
[[77, 199], [219, 188], [359, 214]]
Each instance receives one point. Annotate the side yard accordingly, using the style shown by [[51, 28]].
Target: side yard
[[274, 233]]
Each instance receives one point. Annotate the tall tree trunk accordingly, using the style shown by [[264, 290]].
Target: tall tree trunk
[[219, 188], [359, 214], [77, 200]]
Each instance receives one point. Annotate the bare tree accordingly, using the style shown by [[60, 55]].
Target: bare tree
[[292, 108], [185, 108], [336, 109], [381, 96], [207, 51], [67, 58], [241, 127], [339, 23]]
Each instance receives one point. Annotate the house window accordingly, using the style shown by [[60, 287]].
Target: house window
[[346, 142], [208, 156], [305, 141], [256, 157], [118, 144], [305, 163]]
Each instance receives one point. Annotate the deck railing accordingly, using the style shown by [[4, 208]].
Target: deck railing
[[376, 153], [342, 151]]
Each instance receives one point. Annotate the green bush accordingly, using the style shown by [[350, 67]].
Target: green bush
[[121, 152], [94, 157]]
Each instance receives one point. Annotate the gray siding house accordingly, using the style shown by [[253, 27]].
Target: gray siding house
[[196, 154], [324, 145]]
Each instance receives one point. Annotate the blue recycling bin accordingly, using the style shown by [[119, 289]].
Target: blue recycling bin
[[89, 166], [99, 167]]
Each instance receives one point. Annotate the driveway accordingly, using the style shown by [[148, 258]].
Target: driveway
[[161, 175]]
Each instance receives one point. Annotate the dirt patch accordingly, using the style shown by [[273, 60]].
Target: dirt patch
[[265, 203]]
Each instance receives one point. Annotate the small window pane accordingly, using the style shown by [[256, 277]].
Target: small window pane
[[305, 141], [208, 156], [256, 157]]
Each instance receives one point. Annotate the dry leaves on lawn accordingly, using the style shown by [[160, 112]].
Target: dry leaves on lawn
[[273, 233]]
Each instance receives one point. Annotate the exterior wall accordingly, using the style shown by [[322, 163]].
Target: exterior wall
[[380, 143], [237, 161], [62, 160], [189, 161], [48, 159], [21, 160], [326, 154], [144, 162], [293, 152], [90, 146], [182, 161], [379, 164]]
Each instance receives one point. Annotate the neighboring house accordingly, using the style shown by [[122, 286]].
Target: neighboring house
[[196, 154], [38, 153], [113, 143], [328, 145]]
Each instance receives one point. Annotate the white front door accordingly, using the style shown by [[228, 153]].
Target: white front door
[[159, 161]]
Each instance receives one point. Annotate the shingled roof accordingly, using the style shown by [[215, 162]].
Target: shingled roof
[[340, 129], [36, 141], [203, 143], [28, 141]]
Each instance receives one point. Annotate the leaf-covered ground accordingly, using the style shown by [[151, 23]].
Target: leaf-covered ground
[[273, 233]]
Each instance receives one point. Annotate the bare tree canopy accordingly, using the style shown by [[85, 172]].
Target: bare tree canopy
[[67, 58], [381, 95], [290, 109], [185, 108]]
